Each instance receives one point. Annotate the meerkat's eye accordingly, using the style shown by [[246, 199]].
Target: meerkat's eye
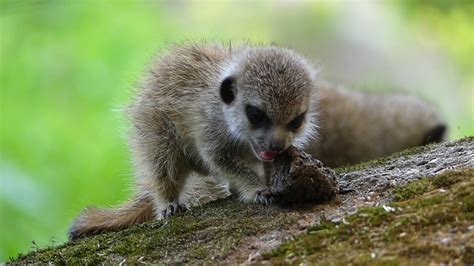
[[256, 116], [296, 123]]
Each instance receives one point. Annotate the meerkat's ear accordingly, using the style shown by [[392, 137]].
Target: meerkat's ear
[[228, 90]]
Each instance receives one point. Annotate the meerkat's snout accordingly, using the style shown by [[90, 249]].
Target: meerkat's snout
[[269, 141], [265, 147], [272, 150], [274, 144], [278, 141], [272, 135], [277, 146]]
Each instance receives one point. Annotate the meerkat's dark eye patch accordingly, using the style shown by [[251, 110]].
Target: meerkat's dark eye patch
[[227, 90], [256, 116], [296, 123]]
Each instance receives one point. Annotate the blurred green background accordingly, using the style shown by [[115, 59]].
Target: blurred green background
[[68, 67]]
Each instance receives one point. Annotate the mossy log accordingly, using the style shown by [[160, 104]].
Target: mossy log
[[229, 231]]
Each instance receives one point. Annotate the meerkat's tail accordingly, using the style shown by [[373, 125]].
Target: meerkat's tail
[[436, 134], [94, 220]]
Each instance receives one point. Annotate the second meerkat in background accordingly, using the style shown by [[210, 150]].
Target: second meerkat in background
[[355, 126]]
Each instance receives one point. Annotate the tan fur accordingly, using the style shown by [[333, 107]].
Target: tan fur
[[93, 220], [186, 127]]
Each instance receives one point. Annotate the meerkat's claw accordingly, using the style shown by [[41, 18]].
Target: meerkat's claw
[[182, 208], [264, 197], [172, 209]]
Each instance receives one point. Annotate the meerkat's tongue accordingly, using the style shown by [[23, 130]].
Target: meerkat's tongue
[[267, 155]]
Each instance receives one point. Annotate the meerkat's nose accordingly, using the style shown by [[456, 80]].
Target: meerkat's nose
[[277, 146]]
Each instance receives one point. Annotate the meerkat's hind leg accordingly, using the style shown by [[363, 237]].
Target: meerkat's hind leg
[[158, 154], [164, 195], [169, 188]]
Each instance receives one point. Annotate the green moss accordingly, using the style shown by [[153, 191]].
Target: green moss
[[372, 216], [409, 234], [465, 197], [411, 190], [204, 234], [445, 181], [323, 225]]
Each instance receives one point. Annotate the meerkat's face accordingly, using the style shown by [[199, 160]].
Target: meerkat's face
[[268, 101]]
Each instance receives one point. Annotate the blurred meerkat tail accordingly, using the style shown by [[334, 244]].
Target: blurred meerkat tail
[[94, 220], [436, 134]]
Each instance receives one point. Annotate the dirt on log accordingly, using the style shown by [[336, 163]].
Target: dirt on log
[[424, 190], [298, 177]]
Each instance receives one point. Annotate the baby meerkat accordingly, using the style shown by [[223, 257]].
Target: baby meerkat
[[216, 111], [227, 113]]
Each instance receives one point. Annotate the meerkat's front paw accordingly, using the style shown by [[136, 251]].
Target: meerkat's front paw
[[172, 209], [264, 197]]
